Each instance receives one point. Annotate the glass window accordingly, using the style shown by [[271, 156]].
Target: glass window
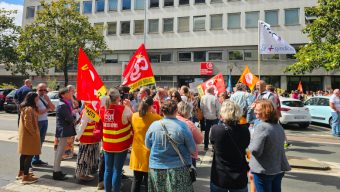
[[311, 101], [168, 25], [200, 56], [99, 27], [292, 16], [184, 56], [323, 102], [125, 27], [272, 17], [100, 5], [168, 3], [271, 57], [113, 5], [154, 3], [139, 26], [139, 4], [215, 56], [78, 7], [124, 57], [250, 55], [183, 24], [335, 81], [87, 7], [166, 57], [292, 103], [126, 4], [30, 12], [112, 28], [155, 57], [252, 19], [235, 55], [199, 23], [234, 20], [216, 1], [216, 21], [183, 2], [199, 1], [153, 25]]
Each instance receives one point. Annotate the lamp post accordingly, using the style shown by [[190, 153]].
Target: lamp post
[[230, 70]]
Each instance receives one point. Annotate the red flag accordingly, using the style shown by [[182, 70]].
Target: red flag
[[248, 78], [300, 87], [138, 71], [217, 82], [89, 85]]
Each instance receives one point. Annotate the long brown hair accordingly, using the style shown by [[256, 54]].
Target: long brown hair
[[144, 106], [29, 101]]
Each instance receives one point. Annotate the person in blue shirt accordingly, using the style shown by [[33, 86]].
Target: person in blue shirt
[[21, 93], [164, 161]]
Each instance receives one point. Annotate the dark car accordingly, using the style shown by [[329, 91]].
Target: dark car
[[3, 94], [9, 105]]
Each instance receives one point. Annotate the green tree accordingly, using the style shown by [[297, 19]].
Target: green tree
[[323, 50], [53, 39], [9, 34]]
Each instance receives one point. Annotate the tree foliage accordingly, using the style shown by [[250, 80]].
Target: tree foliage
[[323, 50], [53, 39], [9, 34]]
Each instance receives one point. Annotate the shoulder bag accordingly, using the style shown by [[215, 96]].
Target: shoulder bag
[[191, 169]]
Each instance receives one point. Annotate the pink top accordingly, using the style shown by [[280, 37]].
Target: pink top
[[198, 136]]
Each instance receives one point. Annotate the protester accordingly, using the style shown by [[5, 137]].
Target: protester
[[334, 103], [164, 161], [271, 89], [139, 158], [87, 159], [176, 96], [64, 131], [240, 98], [210, 107], [29, 136], [21, 93], [144, 91], [222, 97], [159, 100], [295, 94], [117, 138], [268, 161], [44, 105], [183, 114], [230, 140]]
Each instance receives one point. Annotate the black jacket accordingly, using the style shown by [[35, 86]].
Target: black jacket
[[229, 166], [65, 121]]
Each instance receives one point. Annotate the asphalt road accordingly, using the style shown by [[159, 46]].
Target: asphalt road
[[314, 142]]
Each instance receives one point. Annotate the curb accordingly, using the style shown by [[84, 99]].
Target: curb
[[306, 163]]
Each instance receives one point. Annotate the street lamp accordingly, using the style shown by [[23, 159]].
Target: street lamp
[[230, 69]]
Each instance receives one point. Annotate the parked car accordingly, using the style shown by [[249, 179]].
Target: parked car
[[54, 97], [319, 109], [293, 111], [9, 105], [3, 94]]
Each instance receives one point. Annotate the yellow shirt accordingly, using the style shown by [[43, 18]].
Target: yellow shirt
[[139, 158]]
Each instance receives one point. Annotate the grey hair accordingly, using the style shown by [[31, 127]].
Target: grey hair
[[230, 112], [183, 109], [113, 96]]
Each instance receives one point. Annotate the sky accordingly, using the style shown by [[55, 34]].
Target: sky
[[14, 5]]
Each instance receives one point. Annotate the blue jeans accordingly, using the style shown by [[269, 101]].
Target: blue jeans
[[43, 129], [214, 188], [268, 183], [336, 123], [113, 170]]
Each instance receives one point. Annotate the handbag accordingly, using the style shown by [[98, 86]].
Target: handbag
[[191, 169]]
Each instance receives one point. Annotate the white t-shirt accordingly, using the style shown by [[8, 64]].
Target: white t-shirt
[[336, 101]]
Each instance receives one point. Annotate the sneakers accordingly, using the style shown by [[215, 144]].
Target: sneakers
[[28, 179], [100, 186], [39, 163], [59, 176], [287, 145]]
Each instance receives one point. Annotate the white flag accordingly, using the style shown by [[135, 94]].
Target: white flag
[[271, 43]]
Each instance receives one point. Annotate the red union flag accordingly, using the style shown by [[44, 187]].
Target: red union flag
[[217, 82], [138, 71], [90, 87], [207, 68]]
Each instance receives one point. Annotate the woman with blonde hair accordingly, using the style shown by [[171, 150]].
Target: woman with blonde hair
[[268, 162], [230, 140], [139, 158]]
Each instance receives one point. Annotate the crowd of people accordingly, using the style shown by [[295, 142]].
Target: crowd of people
[[161, 128]]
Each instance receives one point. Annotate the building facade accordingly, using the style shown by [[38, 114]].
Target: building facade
[[181, 34]]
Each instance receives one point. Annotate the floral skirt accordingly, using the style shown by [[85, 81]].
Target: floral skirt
[[69, 148], [87, 159], [170, 180]]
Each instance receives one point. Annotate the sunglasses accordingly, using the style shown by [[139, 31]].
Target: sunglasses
[[42, 90]]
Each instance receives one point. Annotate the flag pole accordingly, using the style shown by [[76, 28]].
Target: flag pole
[[145, 28], [258, 50]]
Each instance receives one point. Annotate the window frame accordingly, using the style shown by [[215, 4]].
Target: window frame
[[172, 29], [183, 52], [178, 24], [193, 20], [149, 26], [134, 27], [228, 16], [122, 4], [107, 31], [121, 28], [277, 16], [108, 6], [173, 3], [194, 59], [184, 4], [218, 28], [96, 2], [84, 2], [153, 7], [138, 8], [234, 50], [208, 56], [285, 16], [32, 8], [256, 23]]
